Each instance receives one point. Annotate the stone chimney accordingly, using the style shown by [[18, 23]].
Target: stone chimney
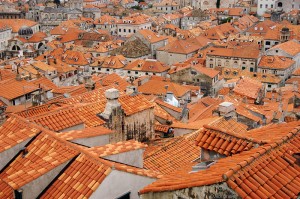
[[112, 103], [131, 90], [227, 109]]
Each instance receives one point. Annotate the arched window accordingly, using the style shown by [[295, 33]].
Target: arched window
[[280, 4], [16, 47], [40, 45]]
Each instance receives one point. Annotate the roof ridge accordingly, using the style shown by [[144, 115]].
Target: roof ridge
[[259, 153], [207, 126]]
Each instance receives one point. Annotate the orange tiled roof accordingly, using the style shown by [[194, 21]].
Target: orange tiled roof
[[115, 148], [114, 79], [45, 153], [16, 24], [180, 47], [151, 36], [176, 153], [134, 104], [6, 191], [44, 83], [275, 62], [161, 128], [147, 66], [13, 89], [84, 133], [263, 172], [157, 87], [248, 87], [291, 47], [203, 114], [196, 125], [244, 52], [85, 174], [224, 137], [169, 106], [15, 130], [161, 113]]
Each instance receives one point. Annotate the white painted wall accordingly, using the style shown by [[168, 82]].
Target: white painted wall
[[35, 187], [93, 141], [133, 158], [118, 183], [8, 154], [77, 127]]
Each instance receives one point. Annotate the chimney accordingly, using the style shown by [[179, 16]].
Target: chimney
[[227, 110], [131, 90], [112, 103]]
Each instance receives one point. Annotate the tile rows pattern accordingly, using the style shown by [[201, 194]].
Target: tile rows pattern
[[79, 180], [176, 153], [269, 171], [14, 131], [84, 133], [44, 154], [119, 147]]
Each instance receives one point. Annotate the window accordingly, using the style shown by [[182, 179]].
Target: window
[[243, 67], [128, 72], [28, 96], [280, 5], [107, 69], [124, 30], [93, 68], [268, 43], [211, 65], [251, 69], [266, 6], [119, 29], [269, 85], [125, 196], [136, 72], [260, 5]]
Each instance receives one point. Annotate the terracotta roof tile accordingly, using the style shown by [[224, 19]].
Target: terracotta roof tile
[[15, 130], [157, 87], [248, 87], [291, 47], [134, 104], [84, 133], [175, 153], [264, 172], [161, 113], [5, 190], [147, 66], [169, 106], [116, 148], [275, 62], [194, 125], [44, 83], [161, 128], [50, 153], [13, 89], [79, 180], [180, 47]]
